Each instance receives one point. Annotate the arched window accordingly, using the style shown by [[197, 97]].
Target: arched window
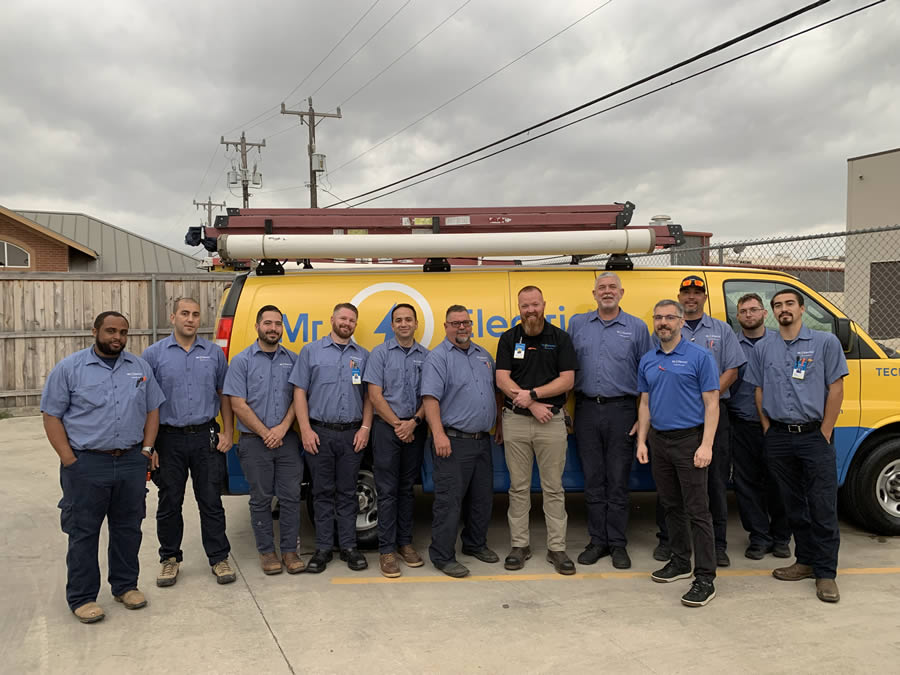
[[13, 256]]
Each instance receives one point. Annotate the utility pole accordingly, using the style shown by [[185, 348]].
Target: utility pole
[[311, 148], [242, 146], [209, 204]]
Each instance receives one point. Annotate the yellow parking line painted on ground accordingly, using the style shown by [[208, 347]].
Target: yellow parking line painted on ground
[[350, 581]]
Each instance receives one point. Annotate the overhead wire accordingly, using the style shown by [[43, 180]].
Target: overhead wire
[[617, 105]]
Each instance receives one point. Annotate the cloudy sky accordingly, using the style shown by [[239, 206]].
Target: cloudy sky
[[116, 109]]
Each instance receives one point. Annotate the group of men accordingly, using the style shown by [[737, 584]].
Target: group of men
[[112, 417]]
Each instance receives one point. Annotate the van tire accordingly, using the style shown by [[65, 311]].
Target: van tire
[[873, 489], [367, 519]]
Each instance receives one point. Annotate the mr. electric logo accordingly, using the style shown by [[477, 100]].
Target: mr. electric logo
[[426, 316]]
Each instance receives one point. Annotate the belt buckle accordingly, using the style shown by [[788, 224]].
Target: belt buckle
[[795, 428]]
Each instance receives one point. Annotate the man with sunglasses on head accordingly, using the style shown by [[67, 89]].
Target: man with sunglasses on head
[[718, 338], [461, 407]]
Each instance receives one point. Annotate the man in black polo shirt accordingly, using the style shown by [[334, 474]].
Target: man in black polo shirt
[[536, 365]]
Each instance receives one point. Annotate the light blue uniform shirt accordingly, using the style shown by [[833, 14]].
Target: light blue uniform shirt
[[608, 353], [102, 408], [463, 383], [399, 374], [718, 337], [190, 380], [786, 398], [325, 372], [262, 382], [676, 382], [742, 401]]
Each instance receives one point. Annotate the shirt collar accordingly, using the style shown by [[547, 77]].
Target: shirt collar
[[595, 316], [743, 338], [804, 334], [255, 349], [93, 358], [328, 341], [679, 348], [450, 346], [391, 343], [170, 341]]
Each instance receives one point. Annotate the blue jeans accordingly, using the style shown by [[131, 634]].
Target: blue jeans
[[97, 487], [397, 465]]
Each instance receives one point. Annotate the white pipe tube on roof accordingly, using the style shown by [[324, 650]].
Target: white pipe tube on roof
[[482, 244]]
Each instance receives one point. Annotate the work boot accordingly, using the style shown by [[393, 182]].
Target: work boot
[[270, 563], [794, 572], [355, 560], [132, 599], [781, 550], [453, 569], [517, 557], [89, 612], [561, 562], [827, 590], [319, 561], [410, 556], [168, 573], [292, 562], [222, 572], [592, 553], [620, 558], [389, 566], [484, 554], [722, 559], [662, 552]]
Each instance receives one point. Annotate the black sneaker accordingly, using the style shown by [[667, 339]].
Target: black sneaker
[[592, 553], [319, 561], [662, 552], [702, 591], [722, 559], [355, 560], [671, 572], [483, 554], [620, 559], [757, 551]]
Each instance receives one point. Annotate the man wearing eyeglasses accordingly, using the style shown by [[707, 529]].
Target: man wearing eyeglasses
[[760, 505], [677, 414], [718, 338], [461, 407]]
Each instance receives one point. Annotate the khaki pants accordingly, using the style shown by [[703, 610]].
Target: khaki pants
[[524, 439]]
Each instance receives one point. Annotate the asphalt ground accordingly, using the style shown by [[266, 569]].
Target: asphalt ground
[[495, 621]]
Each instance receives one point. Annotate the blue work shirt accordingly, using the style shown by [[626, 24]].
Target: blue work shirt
[[676, 382], [262, 382], [786, 398], [399, 374], [101, 407], [191, 380], [742, 400], [718, 337], [325, 372], [608, 353], [462, 380]]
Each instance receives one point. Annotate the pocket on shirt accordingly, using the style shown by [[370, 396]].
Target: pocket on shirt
[[327, 374], [91, 396], [393, 378]]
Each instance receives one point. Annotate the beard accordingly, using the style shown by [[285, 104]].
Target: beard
[[108, 349], [343, 332], [533, 324], [270, 338]]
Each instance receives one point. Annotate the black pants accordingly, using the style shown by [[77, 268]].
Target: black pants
[[682, 489], [397, 465], [335, 470], [717, 486], [760, 506], [467, 473], [804, 468], [96, 488], [180, 454], [606, 452]]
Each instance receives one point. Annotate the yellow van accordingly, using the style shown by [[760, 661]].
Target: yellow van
[[867, 435]]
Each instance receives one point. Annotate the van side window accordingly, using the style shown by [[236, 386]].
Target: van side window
[[816, 316]]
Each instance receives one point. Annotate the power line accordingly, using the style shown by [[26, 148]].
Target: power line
[[618, 105], [636, 83]]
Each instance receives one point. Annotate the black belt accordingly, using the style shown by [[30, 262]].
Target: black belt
[[456, 433], [604, 399], [190, 429], [337, 426], [118, 452], [678, 433], [804, 428], [525, 411]]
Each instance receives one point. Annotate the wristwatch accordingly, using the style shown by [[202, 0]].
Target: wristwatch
[[149, 449], [534, 396], [417, 420]]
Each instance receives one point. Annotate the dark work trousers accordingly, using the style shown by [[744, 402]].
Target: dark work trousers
[[97, 487], [606, 452], [180, 453], [397, 465], [806, 473], [759, 503], [335, 471], [468, 472], [682, 488], [273, 472], [717, 485]]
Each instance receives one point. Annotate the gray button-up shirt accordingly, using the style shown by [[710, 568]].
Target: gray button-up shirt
[[262, 382], [325, 372], [742, 401], [718, 337], [399, 374], [463, 382]]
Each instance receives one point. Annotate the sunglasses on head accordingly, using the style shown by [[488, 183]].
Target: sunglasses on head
[[696, 283]]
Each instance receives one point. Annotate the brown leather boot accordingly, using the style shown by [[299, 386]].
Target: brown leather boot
[[410, 556], [293, 563], [89, 612], [389, 566], [132, 599], [270, 563], [794, 572], [827, 590]]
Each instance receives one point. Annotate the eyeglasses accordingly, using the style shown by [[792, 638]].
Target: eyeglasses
[[666, 317], [460, 324], [696, 283], [751, 310]]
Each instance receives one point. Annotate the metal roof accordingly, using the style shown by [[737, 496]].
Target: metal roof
[[119, 251]]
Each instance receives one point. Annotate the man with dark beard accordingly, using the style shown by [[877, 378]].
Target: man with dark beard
[[536, 366], [101, 415], [335, 416], [269, 451]]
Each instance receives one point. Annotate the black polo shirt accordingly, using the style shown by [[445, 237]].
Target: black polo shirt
[[546, 355]]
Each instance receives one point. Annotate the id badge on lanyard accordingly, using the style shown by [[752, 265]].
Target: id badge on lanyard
[[355, 372]]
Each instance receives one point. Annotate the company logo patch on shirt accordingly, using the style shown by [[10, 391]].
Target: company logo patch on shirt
[[204, 358], [139, 374], [679, 362], [548, 346]]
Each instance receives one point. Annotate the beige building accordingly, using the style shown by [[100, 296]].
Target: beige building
[[873, 261]]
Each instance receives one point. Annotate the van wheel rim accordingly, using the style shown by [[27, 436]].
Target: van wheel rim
[[887, 489], [367, 517]]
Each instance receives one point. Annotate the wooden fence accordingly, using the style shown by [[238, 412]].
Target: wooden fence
[[47, 316]]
